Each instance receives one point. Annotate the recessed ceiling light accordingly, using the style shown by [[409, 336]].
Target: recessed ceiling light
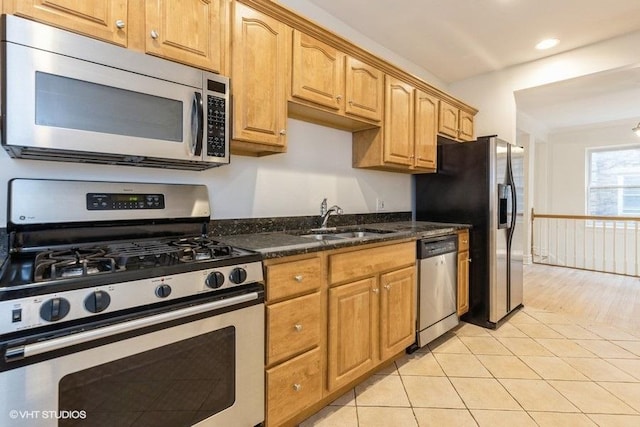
[[547, 44]]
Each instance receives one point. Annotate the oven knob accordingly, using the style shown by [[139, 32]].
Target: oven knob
[[214, 280], [238, 275], [163, 291], [54, 309], [97, 301]]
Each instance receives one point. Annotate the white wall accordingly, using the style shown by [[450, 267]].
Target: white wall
[[317, 165]]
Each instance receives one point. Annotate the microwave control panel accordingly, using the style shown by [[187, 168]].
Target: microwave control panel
[[216, 126]]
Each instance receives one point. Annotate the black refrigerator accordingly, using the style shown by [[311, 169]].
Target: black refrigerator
[[481, 183]]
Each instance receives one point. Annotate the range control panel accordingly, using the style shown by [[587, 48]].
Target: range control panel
[[123, 201]]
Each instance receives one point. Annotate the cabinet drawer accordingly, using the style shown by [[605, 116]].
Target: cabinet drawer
[[293, 278], [463, 241], [293, 386], [366, 262], [292, 327]]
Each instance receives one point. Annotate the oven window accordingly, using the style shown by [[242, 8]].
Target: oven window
[[173, 386], [75, 104]]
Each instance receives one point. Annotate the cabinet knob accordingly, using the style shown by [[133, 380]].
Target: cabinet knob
[[120, 24], [298, 278], [283, 131], [387, 287], [339, 97], [297, 387], [350, 102], [297, 327], [154, 34], [469, 260], [375, 290]]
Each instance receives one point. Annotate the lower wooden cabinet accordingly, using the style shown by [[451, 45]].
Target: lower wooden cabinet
[[373, 318], [353, 332], [463, 272], [293, 386], [332, 318], [397, 311]]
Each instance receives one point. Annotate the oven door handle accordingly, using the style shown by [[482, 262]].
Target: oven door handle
[[29, 350]]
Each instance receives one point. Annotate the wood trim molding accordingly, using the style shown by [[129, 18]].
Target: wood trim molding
[[300, 23]]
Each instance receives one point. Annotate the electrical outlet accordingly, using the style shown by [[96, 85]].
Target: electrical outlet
[[379, 205]]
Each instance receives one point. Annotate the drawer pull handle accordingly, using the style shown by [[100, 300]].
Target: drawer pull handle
[[297, 387], [298, 278], [298, 327]]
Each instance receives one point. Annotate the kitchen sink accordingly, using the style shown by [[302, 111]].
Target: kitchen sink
[[344, 234], [319, 236]]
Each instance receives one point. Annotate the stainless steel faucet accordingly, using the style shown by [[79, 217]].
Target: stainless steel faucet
[[326, 213]]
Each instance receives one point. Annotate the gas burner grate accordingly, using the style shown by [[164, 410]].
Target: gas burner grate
[[201, 248], [51, 265]]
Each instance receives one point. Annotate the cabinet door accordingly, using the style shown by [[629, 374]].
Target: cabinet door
[[364, 86], [259, 74], [466, 126], [398, 122], [448, 119], [317, 72], [397, 311], [353, 331], [463, 282], [426, 119], [187, 31], [98, 19]]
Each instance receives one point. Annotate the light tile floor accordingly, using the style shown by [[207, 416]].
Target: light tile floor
[[538, 369]]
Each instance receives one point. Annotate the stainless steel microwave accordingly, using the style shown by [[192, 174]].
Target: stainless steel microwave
[[67, 97]]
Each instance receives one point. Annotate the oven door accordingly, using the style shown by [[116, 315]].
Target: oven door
[[201, 365], [58, 103]]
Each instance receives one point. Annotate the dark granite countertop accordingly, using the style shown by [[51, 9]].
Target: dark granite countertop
[[286, 243]]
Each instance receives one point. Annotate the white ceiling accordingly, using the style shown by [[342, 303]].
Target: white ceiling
[[458, 39]]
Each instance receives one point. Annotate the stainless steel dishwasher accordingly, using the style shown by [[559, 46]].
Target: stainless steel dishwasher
[[437, 287]]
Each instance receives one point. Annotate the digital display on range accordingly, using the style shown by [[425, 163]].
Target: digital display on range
[[122, 201]]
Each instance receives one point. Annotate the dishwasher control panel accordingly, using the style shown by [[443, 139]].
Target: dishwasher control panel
[[428, 248]]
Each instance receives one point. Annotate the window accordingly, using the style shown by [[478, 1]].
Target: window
[[613, 186]]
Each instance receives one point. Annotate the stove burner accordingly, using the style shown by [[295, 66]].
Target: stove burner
[[72, 263], [126, 256], [201, 248]]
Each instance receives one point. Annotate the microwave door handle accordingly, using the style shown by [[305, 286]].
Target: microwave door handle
[[197, 124]]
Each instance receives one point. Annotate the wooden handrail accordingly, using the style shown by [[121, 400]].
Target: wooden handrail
[[585, 217]]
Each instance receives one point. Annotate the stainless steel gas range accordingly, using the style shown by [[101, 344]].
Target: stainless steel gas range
[[117, 309]]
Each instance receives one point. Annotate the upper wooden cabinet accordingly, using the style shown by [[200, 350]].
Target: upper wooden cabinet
[[317, 72], [259, 72], [407, 140], [364, 85], [454, 122], [426, 119], [398, 125], [191, 32], [106, 20], [325, 79]]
